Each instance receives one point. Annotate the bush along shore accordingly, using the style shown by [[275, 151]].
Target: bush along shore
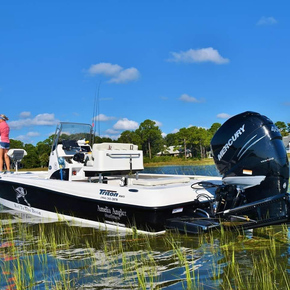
[[168, 160]]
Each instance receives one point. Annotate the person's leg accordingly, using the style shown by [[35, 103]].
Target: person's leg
[[7, 159], [1, 158]]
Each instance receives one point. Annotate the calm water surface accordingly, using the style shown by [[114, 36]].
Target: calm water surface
[[185, 169], [58, 255]]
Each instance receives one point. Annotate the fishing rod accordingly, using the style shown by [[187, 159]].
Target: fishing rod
[[96, 110]]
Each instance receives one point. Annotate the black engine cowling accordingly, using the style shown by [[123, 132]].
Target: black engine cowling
[[250, 155], [248, 148]]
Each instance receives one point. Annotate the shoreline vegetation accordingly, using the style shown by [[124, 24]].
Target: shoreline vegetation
[[159, 161], [166, 160], [155, 162], [189, 145]]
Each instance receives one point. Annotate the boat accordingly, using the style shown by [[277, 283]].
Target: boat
[[103, 184]]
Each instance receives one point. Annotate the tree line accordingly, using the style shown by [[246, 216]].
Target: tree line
[[147, 136]]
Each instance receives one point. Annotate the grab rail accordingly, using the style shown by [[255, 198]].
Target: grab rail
[[130, 155]]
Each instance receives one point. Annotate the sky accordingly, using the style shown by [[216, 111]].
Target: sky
[[179, 63]]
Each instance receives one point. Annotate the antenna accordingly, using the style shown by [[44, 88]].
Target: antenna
[[98, 106], [96, 110]]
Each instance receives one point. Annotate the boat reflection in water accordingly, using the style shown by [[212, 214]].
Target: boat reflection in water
[[57, 255]]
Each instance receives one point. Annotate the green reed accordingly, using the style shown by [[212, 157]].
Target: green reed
[[263, 249], [238, 260]]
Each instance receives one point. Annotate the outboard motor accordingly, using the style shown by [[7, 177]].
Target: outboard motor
[[250, 155]]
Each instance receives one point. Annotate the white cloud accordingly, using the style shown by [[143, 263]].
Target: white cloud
[[188, 99], [44, 120], [25, 115], [27, 137], [175, 131], [112, 132], [157, 123], [40, 120], [22, 138], [223, 116], [103, 118], [104, 68], [199, 55], [33, 134], [125, 124], [116, 73], [163, 134], [267, 21], [127, 75]]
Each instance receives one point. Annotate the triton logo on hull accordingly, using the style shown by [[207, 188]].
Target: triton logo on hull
[[109, 192], [230, 142]]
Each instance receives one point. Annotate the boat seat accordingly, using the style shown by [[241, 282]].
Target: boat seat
[[16, 154], [160, 181]]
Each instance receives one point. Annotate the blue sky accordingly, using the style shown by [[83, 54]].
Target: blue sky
[[179, 63]]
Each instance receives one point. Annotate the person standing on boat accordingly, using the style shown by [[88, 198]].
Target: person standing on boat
[[4, 143]]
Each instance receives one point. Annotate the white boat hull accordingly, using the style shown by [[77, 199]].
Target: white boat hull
[[145, 205]]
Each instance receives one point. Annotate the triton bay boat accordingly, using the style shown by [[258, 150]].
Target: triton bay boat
[[103, 184]]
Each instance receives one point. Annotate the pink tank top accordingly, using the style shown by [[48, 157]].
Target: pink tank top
[[4, 132]]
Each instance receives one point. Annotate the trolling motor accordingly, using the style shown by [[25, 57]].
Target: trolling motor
[[249, 153]]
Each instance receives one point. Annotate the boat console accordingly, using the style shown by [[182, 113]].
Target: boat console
[[72, 158], [116, 158]]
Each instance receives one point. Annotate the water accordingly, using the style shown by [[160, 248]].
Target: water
[[209, 170], [58, 255]]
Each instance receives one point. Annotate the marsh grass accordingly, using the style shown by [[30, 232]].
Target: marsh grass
[[264, 265], [60, 256]]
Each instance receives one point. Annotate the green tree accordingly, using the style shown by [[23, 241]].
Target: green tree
[[183, 137], [49, 140], [171, 139], [151, 137], [99, 139], [43, 150], [31, 160], [107, 140], [196, 139], [282, 127], [130, 137], [44, 159], [214, 127], [204, 136], [16, 144]]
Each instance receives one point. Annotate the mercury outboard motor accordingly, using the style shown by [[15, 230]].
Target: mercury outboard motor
[[250, 155]]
